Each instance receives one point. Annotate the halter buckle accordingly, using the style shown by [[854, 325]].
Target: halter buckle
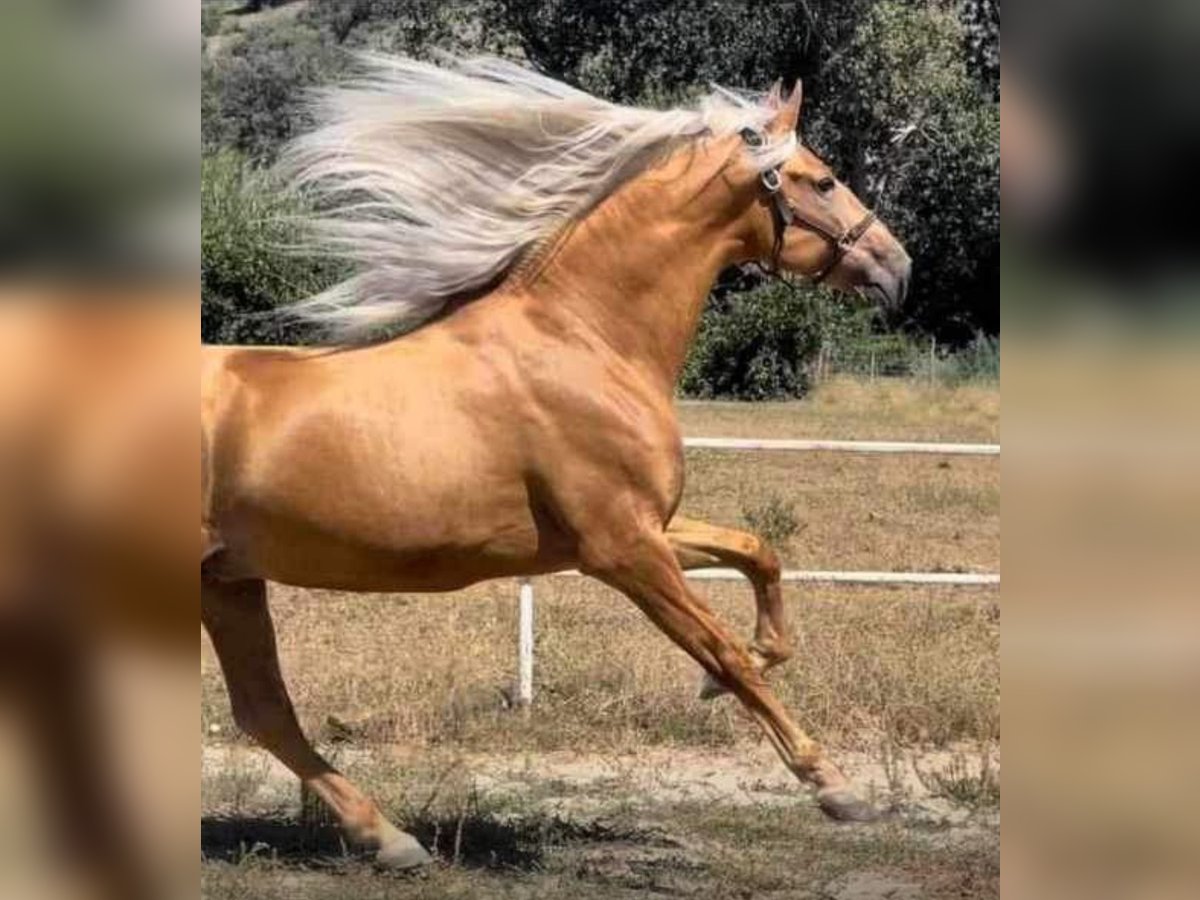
[[771, 180]]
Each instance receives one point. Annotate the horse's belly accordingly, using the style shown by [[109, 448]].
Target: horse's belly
[[442, 569], [418, 540]]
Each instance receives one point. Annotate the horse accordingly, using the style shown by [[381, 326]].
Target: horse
[[495, 397]]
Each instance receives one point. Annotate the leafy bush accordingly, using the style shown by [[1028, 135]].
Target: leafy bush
[[252, 92], [210, 18], [245, 274], [753, 345]]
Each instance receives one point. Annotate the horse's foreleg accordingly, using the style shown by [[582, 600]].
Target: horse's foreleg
[[644, 568], [239, 623], [698, 545]]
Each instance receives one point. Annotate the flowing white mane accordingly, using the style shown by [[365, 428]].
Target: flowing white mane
[[435, 179]]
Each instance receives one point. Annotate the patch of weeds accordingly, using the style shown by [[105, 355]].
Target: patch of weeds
[[234, 787], [975, 786], [774, 519], [892, 760]]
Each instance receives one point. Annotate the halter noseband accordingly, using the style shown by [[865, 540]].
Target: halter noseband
[[784, 214]]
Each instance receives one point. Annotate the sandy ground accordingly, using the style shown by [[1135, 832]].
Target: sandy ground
[[577, 785], [661, 822]]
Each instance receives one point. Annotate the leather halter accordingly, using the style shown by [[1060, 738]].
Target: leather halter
[[784, 214]]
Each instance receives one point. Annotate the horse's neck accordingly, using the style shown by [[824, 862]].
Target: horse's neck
[[638, 269]]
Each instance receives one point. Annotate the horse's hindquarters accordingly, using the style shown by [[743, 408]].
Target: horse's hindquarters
[[335, 472]]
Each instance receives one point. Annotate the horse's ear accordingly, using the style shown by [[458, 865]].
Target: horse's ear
[[775, 95], [788, 116]]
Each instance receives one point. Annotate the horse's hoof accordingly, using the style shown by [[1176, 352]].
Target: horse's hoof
[[710, 687], [402, 852], [842, 805]]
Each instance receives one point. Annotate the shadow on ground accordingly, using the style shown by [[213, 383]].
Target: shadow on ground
[[473, 842]]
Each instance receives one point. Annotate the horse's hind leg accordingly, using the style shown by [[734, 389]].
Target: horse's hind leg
[[239, 623], [698, 545], [643, 566]]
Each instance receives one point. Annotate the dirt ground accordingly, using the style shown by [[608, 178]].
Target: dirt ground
[[662, 822]]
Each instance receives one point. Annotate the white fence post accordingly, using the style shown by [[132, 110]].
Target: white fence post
[[525, 645]]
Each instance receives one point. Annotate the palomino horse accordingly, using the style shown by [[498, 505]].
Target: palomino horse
[[568, 245]]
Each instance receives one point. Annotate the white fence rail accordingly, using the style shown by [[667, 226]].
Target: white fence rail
[[974, 579], [951, 578], [727, 443]]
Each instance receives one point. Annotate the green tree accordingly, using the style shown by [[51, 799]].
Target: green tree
[[643, 50], [916, 134], [412, 27], [981, 27]]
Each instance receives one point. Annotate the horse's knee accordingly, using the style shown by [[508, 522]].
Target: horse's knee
[[762, 556], [767, 561]]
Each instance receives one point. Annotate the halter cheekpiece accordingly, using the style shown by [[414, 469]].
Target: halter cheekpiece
[[784, 215]]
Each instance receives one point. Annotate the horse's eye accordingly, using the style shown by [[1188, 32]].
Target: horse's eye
[[826, 184]]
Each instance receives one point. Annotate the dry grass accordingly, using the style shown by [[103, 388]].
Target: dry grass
[[902, 513], [920, 665], [854, 409], [914, 513]]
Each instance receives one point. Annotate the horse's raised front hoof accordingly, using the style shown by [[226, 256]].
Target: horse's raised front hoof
[[401, 852], [842, 805], [710, 687]]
